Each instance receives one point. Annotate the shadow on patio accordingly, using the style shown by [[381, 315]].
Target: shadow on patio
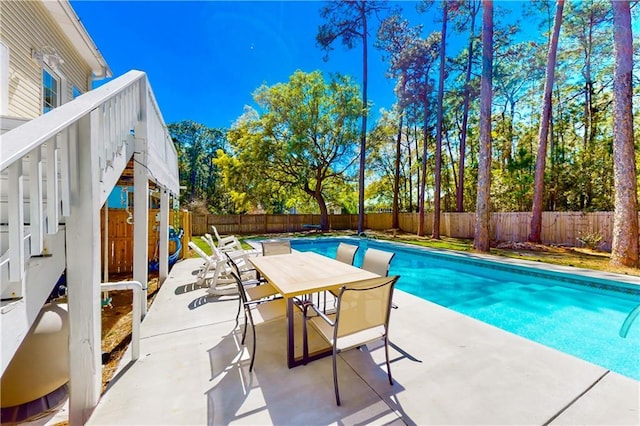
[[447, 369]]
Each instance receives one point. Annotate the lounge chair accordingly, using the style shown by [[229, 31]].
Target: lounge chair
[[228, 243], [216, 272], [362, 316], [207, 238]]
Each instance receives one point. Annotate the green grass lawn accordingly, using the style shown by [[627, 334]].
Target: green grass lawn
[[567, 256]]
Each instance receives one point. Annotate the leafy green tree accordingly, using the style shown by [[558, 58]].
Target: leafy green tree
[[415, 95], [302, 140], [394, 36], [381, 163], [589, 37], [348, 21], [197, 146], [545, 118], [438, 179], [472, 8]]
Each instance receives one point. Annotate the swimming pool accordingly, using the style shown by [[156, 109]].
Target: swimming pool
[[576, 315]]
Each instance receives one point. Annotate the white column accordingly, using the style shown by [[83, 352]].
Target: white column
[[105, 246], [163, 270], [141, 202], [141, 227], [83, 276]]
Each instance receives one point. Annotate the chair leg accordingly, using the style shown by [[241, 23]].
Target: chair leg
[[244, 332], [335, 375], [253, 350], [305, 335], [238, 314], [386, 352]]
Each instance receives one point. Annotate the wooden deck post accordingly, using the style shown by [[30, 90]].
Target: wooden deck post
[[83, 274], [141, 222], [141, 200]]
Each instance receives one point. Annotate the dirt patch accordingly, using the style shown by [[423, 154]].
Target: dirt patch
[[527, 246], [116, 326]]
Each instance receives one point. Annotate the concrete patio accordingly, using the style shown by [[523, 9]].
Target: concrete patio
[[447, 368]]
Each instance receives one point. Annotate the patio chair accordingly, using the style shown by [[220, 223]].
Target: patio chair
[[346, 253], [273, 247], [377, 261], [361, 317], [257, 312], [255, 288]]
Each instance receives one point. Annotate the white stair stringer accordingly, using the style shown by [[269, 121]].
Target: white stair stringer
[[41, 275]]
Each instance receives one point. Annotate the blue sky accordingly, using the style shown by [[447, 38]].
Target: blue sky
[[205, 58]]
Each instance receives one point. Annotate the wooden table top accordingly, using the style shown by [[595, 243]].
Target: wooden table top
[[301, 273]]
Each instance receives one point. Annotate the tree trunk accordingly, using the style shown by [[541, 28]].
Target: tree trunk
[[418, 179], [395, 222], [423, 186], [363, 135], [465, 116], [438, 178], [410, 171], [324, 214], [587, 137], [481, 239], [624, 249], [543, 131]]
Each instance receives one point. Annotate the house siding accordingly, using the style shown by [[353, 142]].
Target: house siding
[[27, 25]]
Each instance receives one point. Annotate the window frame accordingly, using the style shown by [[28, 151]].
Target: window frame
[[46, 70]]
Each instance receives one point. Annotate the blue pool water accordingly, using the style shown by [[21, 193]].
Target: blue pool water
[[562, 311]]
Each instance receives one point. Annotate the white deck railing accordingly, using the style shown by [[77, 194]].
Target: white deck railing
[[38, 161]]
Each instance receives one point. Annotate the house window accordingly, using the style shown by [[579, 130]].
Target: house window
[[75, 92], [50, 90]]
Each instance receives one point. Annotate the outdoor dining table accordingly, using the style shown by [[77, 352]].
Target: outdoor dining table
[[298, 274]]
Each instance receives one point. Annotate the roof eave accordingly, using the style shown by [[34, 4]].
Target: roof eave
[[69, 22]]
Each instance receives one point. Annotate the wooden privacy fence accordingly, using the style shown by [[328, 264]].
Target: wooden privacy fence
[[120, 242], [267, 223], [561, 228]]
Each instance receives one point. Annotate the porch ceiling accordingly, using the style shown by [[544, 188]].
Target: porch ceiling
[[126, 178]]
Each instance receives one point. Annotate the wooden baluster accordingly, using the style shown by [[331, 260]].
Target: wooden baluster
[[36, 201], [68, 135], [52, 186], [16, 226]]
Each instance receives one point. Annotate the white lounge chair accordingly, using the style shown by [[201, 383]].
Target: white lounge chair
[[215, 271], [228, 243]]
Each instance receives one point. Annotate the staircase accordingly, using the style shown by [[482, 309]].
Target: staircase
[[56, 173]]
